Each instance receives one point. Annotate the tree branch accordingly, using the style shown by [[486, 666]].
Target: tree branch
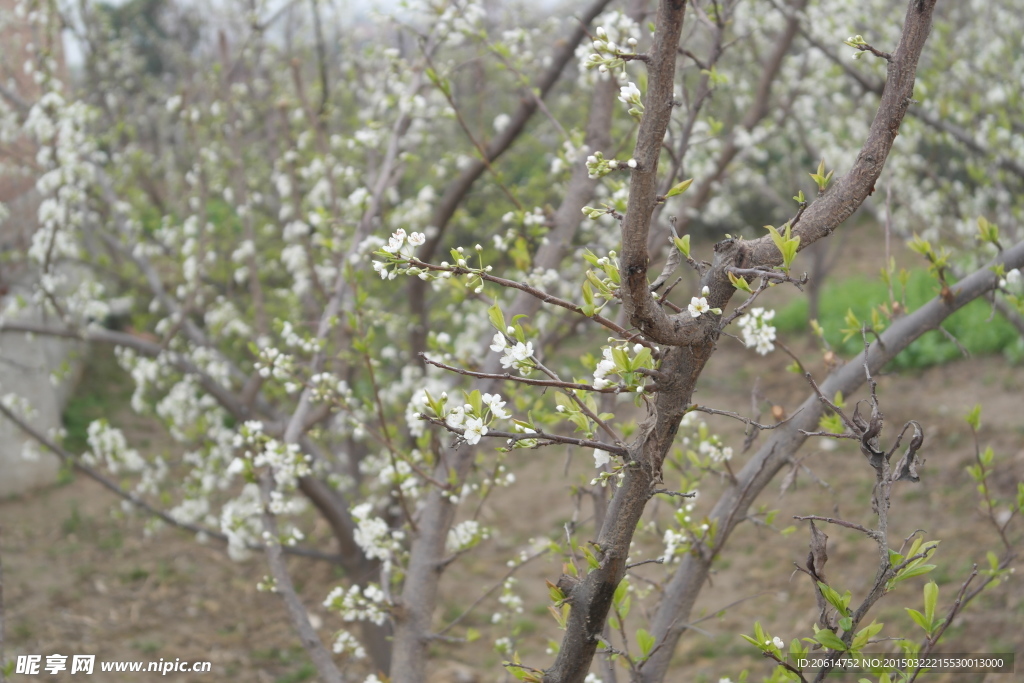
[[683, 589]]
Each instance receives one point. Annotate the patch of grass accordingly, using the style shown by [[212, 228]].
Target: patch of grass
[[74, 520], [970, 325], [303, 673], [148, 647], [280, 655], [525, 627], [134, 574], [22, 631], [103, 390], [112, 542]]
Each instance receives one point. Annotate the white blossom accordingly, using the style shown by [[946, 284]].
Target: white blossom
[[756, 330], [698, 306], [475, 429], [629, 93], [497, 406]]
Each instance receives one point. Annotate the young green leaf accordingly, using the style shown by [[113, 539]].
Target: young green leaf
[[645, 641], [683, 245], [679, 188], [830, 640]]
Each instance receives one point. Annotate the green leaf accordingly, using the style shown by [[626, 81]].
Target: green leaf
[[993, 560], [974, 417], [592, 560], [987, 232], [832, 424], [678, 189], [620, 592], [642, 360], [911, 572], [588, 293], [646, 642], [751, 641], [830, 640], [520, 674], [738, 282], [866, 634], [759, 634], [922, 247], [621, 359], [786, 244], [920, 619], [497, 318], [683, 245], [833, 597], [931, 598], [474, 399]]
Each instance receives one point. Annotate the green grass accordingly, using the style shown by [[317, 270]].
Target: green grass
[[103, 390], [970, 325]]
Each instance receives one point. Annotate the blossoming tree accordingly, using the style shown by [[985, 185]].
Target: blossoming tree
[[352, 265]]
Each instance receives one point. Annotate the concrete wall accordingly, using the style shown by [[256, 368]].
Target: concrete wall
[[26, 363]]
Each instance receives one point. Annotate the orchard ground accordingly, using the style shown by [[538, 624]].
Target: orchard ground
[[79, 580]]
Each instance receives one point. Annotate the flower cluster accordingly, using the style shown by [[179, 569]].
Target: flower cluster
[[346, 644], [107, 444], [516, 355], [465, 535], [757, 330], [714, 449], [240, 521], [630, 95], [616, 360], [509, 600], [472, 417], [367, 604], [676, 543], [598, 167], [399, 249], [285, 460], [274, 363], [373, 535], [608, 54]]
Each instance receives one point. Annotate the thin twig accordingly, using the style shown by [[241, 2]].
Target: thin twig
[[544, 437], [522, 380], [76, 462], [837, 522], [537, 293]]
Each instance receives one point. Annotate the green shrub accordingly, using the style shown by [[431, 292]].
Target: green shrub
[[971, 325]]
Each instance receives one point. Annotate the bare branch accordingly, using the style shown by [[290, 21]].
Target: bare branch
[[284, 587]]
